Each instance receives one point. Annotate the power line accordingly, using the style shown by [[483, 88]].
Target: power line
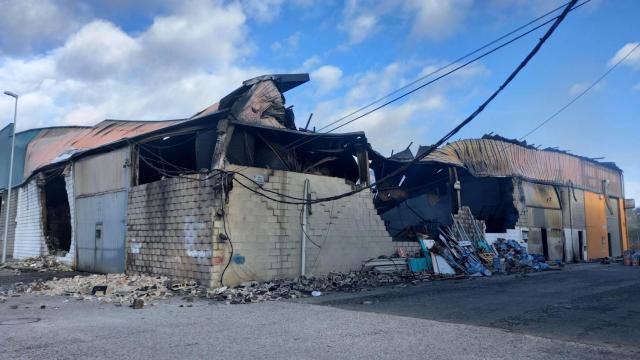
[[451, 133], [293, 145], [582, 93]]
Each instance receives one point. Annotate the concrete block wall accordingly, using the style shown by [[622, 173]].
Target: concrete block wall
[[267, 235], [13, 207], [169, 228], [29, 236]]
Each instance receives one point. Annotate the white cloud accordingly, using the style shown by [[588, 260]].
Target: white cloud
[[436, 19], [262, 10], [327, 78], [97, 51], [578, 88], [393, 126], [361, 27], [181, 63], [633, 60], [28, 25], [432, 19], [289, 45]]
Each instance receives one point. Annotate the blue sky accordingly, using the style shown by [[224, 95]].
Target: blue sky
[[76, 63]]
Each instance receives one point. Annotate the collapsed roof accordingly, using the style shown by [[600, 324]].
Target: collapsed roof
[[494, 157]]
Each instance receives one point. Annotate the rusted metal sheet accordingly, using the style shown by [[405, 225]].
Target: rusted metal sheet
[[58, 144], [488, 157], [596, 220]]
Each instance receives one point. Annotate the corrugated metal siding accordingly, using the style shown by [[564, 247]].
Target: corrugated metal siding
[[12, 220], [29, 239], [22, 140], [485, 157], [103, 173], [107, 212], [573, 217], [596, 221]]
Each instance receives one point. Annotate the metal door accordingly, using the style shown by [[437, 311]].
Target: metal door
[[101, 231]]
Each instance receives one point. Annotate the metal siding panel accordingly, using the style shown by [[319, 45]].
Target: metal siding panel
[[596, 221], [613, 227], [623, 225], [103, 173], [106, 254]]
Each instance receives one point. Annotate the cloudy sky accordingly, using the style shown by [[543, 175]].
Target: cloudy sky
[[78, 62]]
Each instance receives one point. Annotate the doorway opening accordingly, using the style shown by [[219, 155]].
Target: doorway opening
[[581, 245], [57, 215], [609, 244], [545, 244]]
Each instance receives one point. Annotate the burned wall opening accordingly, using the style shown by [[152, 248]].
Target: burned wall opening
[[57, 214], [166, 157], [259, 147], [490, 199]]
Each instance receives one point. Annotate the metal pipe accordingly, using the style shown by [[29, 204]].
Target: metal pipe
[[8, 203], [303, 252]]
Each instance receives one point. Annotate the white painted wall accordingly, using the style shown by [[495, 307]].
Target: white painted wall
[[29, 239]]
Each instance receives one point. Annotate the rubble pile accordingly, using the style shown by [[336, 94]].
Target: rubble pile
[[111, 288], [309, 286], [463, 249], [516, 258], [40, 263]]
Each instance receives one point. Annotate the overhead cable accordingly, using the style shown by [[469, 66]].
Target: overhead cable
[[451, 133]]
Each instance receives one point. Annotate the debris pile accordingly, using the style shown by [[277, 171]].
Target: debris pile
[[40, 264], [119, 289], [463, 249], [516, 258], [631, 257], [308, 286]]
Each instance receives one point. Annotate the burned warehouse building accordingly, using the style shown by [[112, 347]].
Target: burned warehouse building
[[566, 207], [226, 196]]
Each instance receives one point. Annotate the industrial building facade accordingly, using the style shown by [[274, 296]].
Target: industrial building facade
[[217, 197], [559, 205], [158, 197]]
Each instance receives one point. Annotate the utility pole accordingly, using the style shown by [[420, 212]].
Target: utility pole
[[8, 203]]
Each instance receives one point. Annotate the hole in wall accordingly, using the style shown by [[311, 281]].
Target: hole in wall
[[57, 215]]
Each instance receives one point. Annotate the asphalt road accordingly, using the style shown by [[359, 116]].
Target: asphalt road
[[588, 303], [69, 329]]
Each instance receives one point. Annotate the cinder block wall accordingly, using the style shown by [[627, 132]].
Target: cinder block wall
[[266, 235], [169, 228], [29, 236], [12, 220]]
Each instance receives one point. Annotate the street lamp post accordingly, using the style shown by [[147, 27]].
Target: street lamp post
[[8, 203]]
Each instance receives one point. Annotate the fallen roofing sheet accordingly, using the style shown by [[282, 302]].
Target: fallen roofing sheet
[[58, 144]]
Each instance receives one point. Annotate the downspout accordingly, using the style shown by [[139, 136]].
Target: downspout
[[303, 252], [569, 191]]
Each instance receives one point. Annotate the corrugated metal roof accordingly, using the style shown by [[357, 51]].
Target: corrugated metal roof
[[22, 140], [58, 144], [487, 157]]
